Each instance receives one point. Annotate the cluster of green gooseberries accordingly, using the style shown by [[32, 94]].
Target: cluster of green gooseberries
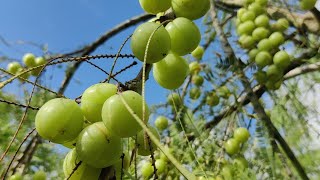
[[228, 169], [262, 39], [161, 123], [164, 44], [240, 136], [307, 4], [29, 60], [39, 175], [212, 98], [196, 78], [232, 147], [147, 169], [95, 130]]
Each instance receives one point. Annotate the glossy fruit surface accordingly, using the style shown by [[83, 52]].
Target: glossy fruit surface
[[160, 165], [252, 54], [39, 61], [265, 45], [179, 29], [70, 144], [161, 123], [263, 58], [83, 172], [281, 59], [190, 9], [256, 8], [198, 52], [29, 60], [260, 33], [93, 99], [246, 28], [159, 45], [171, 66], [241, 11], [98, 147], [247, 41], [116, 116], [281, 25], [241, 134], [232, 146], [276, 38], [146, 169], [146, 147], [262, 21], [155, 6], [248, 16], [59, 120], [227, 172], [13, 67]]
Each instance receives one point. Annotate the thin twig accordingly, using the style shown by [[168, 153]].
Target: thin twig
[[17, 104], [102, 39], [258, 108]]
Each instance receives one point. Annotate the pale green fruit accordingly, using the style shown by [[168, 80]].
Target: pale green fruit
[[159, 45], [155, 6], [83, 172], [179, 29], [190, 9], [171, 66], [145, 148], [59, 120], [98, 147], [117, 118], [93, 99], [29, 60]]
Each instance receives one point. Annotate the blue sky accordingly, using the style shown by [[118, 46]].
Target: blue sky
[[66, 26]]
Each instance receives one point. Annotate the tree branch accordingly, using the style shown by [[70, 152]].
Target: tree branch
[[27, 154], [308, 19], [258, 108], [93, 46], [84, 52], [259, 91]]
